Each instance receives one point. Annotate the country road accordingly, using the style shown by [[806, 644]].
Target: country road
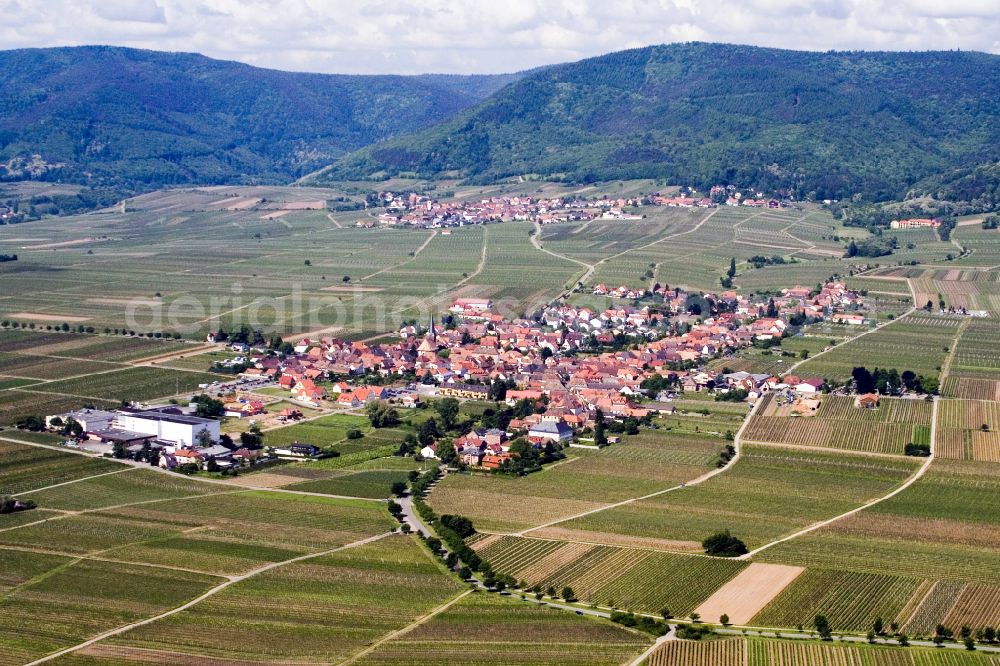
[[906, 484]]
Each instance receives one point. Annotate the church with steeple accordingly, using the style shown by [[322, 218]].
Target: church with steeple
[[429, 343]]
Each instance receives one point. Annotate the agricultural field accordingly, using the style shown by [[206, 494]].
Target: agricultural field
[[17, 404], [768, 493], [839, 424], [131, 384], [519, 635], [283, 270], [610, 575], [773, 652], [721, 652], [942, 528], [648, 462], [67, 601], [26, 468], [983, 245], [969, 430], [764, 652], [109, 349], [958, 287], [370, 483], [323, 609], [850, 600], [221, 533], [775, 278], [917, 342], [755, 360], [128, 485], [517, 275], [974, 371], [45, 372], [324, 431]]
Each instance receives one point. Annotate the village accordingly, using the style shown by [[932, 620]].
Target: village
[[420, 210], [566, 371]]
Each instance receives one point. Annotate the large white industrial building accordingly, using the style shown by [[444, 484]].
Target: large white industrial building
[[180, 429]]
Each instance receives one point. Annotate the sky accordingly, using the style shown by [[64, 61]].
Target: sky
[[487, 36]]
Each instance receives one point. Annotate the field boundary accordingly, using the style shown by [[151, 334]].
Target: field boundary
[[737, 439], [407, 629], [205, 595], [906, 484]]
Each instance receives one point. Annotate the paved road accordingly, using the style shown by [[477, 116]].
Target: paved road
[[410, 516]]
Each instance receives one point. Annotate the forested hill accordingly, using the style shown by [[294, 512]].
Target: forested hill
[[833, 124], [123, 117]]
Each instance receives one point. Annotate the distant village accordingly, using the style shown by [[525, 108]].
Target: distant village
[[571, 365], [419, 210]]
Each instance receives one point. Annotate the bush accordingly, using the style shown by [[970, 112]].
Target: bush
[[693, 632], [641, 622]]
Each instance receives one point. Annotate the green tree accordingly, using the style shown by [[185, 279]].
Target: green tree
[[382, 414], [253, 438], [203, 438], [428, 432], [568, 594], [447, 409], [724, 544], [823, 627], [600, 437]]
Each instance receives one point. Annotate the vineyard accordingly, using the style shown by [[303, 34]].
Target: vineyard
[[638, 465], [917, 342], [24, 468], [70, 601], [131, 485], [770, 652], [225, 533], [969, 430], [135, 383], [974, 372], [770, 492], [762, 652], [839, 424], [609, 575], [971, 388], [851, 601], [726, 652], [322, 609], [486, 628]]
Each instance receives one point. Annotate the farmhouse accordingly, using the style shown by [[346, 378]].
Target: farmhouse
[[298, 450], [847, 318], [867, 401]]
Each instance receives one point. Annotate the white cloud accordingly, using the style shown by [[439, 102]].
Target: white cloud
[[411, 36], [143, 11]]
